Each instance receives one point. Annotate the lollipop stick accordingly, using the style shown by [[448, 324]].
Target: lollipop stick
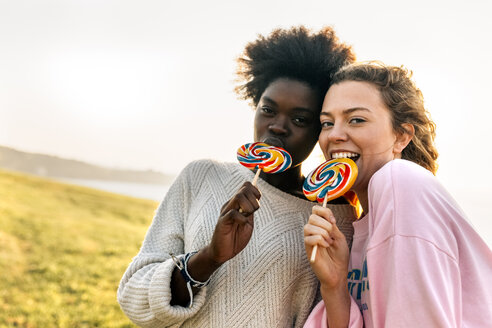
[[325, 200], [313, 254], [255, 179], [315, 248]]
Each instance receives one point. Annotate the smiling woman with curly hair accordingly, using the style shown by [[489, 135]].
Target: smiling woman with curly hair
[[415, 261]]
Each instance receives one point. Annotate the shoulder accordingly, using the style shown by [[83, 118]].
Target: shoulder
[[208, 172], [195, 172], [209, 167], [405, 181], [402, 171], [405, 184], [409, 200], [201, 164]]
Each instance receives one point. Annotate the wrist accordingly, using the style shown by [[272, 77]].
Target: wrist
[[202, 265], [181, 263], [337, 290], [209, 258], [337, 304]]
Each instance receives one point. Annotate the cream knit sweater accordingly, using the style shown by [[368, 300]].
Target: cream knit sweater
[[268, 284]]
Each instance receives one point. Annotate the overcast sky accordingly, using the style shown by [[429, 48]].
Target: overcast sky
[[148, 84]]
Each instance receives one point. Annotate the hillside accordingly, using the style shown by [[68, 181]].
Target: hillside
[[52, 166], [63, 250]]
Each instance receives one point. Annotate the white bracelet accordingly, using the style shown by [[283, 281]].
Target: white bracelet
[[181, 263]]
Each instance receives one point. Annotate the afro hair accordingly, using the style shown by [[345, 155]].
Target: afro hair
[[296, 53]]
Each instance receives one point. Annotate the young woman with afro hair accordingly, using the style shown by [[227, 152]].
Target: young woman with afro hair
[[220, 253]]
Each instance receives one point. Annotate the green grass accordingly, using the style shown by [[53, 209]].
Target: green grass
[[63, 250]]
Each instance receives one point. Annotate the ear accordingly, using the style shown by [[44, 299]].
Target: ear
[[403, 138]]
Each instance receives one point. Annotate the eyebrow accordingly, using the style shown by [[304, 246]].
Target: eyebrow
[[273, 102], [267, 99], [346, 111]]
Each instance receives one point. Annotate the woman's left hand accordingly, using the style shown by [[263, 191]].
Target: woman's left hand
[[331, 264]]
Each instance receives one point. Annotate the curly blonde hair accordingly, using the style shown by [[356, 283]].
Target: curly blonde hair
[[406, 104]]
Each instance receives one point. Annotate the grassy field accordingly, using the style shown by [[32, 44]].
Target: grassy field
[[63, 250]]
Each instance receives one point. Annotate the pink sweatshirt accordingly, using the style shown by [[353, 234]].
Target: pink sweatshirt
[[415, 260]]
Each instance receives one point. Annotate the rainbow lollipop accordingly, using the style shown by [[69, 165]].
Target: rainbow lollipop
[[264, 157], [328, 181]]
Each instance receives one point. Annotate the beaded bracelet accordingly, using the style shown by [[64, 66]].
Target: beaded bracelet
[[181, 263]]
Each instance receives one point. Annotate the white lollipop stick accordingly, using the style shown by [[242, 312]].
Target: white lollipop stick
[[315, 248], [255, 179]]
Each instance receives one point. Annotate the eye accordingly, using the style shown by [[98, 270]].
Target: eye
[[326, 124], [357, 120], [300, 120], [267, 110]]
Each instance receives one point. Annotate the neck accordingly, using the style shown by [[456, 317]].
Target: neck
[[289, 181]]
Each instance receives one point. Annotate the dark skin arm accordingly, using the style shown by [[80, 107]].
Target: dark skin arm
[[232, 233]]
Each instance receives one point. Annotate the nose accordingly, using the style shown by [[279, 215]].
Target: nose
[[279, 126], [337, 133]]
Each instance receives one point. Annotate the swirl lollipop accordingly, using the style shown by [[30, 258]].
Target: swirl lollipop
[[264, 157], [328, 181]]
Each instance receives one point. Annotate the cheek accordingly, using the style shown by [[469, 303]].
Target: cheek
[[323, 143], [302, 145], [256, 119], [308, 138], [259, 125], [378, 142]]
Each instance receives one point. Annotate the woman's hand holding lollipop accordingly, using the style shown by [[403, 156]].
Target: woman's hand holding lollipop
[[235, 225], [328, 181]]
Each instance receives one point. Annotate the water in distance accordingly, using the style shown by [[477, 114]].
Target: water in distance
[[139, 190]]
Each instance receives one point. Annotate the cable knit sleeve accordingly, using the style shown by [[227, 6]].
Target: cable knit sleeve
[[144, 293]]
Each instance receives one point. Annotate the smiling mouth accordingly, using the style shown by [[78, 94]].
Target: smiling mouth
[[352, 156]]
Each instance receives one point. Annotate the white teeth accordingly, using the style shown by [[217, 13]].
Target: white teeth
[[343, 155]]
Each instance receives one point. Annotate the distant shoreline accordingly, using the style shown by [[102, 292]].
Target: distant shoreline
[[134, 189], [61, 168]]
